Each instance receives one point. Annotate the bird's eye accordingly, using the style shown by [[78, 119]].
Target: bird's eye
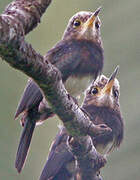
[[77, 23], [116, 93], [97, 25], [94, 91]]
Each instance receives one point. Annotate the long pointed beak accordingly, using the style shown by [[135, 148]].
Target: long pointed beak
[[90, 21], [109, 85]]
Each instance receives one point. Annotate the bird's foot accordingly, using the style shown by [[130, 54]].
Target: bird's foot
[[100, 161]]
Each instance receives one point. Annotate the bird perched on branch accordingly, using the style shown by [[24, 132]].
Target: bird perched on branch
[[102, 104], [79, 57]]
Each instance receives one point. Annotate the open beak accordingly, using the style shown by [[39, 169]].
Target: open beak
[[90, 21], [109, 85]]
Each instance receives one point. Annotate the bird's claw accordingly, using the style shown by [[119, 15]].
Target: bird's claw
[[103, 128], [100, 162]]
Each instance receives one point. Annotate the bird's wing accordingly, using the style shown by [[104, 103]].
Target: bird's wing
[[66, 57], [31, 97], [58, 156], [32, 94]]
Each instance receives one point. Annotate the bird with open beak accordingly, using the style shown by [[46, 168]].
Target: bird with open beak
[[101, 103], [79, 57]]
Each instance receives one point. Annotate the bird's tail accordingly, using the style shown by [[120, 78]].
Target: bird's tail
[[24, 143]]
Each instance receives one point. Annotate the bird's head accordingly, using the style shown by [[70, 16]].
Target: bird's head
[[84, 25], [104, 92]]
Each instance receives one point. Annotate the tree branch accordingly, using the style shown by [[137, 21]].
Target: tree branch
[[89, 161], [28, 13], [19, 18]]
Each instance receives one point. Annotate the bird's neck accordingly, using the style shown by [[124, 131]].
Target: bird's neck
[[96, 41]]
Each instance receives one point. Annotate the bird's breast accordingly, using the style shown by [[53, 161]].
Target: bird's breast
[[77, 85], [104, 143]]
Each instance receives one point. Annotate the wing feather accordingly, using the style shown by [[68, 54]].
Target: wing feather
[[58, 156], [31, 97]]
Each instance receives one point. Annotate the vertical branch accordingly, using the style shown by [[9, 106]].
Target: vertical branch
[[89, 161]]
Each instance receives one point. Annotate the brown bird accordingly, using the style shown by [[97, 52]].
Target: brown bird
[[102, 104], [79, 57]]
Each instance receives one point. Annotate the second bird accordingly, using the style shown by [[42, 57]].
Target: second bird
[[79, 57], [101, 103]]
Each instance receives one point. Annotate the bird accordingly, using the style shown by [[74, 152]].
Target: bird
[[79, 56], [101, 103]]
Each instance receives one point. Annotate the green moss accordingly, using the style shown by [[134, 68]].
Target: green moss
[[70, 126]]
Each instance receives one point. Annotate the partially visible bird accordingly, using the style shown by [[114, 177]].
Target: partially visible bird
[[102, 104], [79, 57]]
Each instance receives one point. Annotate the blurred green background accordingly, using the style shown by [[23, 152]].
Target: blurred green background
[[121, 38]]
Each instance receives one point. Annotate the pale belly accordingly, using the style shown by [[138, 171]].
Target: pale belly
[[76, 86]]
